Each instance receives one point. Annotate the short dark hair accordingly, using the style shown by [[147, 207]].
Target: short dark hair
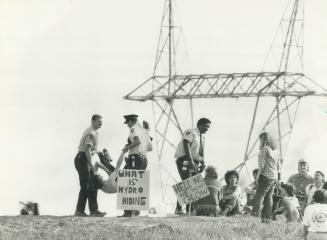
[[96, 117], [255, 171], [318, 196], [203, 121], [230, 173], [289, 188]]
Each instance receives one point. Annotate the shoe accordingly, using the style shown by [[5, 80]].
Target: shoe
[[179, 212], [80, 214], [127, 213], [136, 213], [97, 214]]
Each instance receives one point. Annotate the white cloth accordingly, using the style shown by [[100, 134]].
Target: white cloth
[[143, 135], [315, 217], [310, 190], [193, 136]]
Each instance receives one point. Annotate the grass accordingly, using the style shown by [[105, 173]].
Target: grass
[[180, 228]]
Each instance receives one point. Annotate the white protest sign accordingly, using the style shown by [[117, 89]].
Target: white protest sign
[[191, 189], [133, 189]]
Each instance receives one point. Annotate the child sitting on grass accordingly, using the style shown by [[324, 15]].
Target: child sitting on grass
[[230, 203], [289, 204]]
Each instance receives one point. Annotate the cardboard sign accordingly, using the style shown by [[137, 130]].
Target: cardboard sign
[[191, 189], [133, 189]]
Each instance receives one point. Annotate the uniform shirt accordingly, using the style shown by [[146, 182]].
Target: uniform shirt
[[269, 162], [194, 137], [90, 137], [310, 190], [138, 131], [315, 217], [300, 182]]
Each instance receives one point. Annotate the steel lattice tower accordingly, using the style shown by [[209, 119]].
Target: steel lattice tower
[[282, 81]]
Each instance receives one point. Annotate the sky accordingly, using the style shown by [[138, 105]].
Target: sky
[[64, 60]]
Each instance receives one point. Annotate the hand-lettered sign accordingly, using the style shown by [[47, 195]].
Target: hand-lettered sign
[[191, 189], [133, 189]]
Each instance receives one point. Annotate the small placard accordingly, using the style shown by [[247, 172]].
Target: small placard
[[191, 189]]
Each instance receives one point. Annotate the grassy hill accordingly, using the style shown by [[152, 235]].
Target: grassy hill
[[181, 228]]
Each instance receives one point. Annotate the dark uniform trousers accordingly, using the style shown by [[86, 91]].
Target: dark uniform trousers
[[85, 193], [184, 173], [137, 162]]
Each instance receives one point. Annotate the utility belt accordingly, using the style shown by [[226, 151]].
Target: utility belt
[[186, 163], [133, 158]]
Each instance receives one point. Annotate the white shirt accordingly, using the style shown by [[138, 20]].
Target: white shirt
[[315, 217], [138, 131], [90, 137], [193, 136], [310, 190]]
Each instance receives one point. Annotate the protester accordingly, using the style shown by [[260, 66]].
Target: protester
[[138, 145], [315, 218], [230, 202], [190, 154], [106, 160], [30, 208], [269, 162], [319, 179], [301, 180], [209, 205], [250, 192], [289, 204], [83, 164]]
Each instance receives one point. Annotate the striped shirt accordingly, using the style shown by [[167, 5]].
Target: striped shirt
[[269, 162]]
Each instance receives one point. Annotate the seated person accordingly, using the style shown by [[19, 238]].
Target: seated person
[[315, 220], [289, 205], [250, 192], [229, 203], [209, 205], [30, 208]]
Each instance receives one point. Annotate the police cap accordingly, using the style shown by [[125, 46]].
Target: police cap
[[130, 117]]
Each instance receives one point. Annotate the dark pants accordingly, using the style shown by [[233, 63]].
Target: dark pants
[[84, 193], [264, 195], [184, 174], [137, 162]]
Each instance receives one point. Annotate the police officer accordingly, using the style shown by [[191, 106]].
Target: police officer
[[189, 154], [138, 145], [83, 164], [301, 180]]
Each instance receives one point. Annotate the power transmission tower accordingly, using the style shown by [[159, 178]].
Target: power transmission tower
[[281, 80]]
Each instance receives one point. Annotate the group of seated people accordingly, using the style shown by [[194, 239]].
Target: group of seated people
[[231, 199]]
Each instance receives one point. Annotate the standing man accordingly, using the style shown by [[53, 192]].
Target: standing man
[[138, 145], [83, 164], [189, 154], [301, 180]]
